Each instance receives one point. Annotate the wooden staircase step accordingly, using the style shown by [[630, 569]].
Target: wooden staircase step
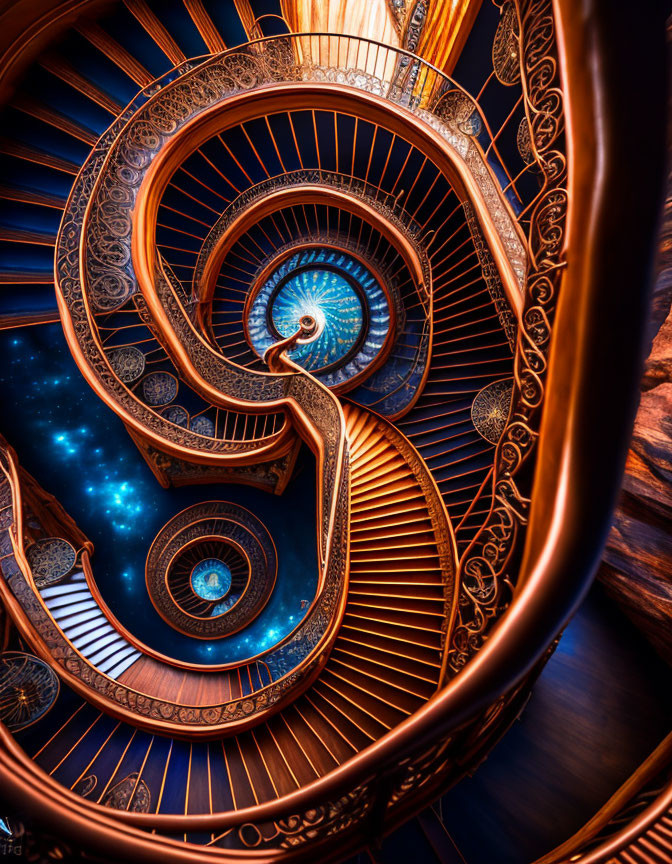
[[382, 670], [429, 608], [358, 727], [427, 637], [398, 647], [383, 465], [394, 493], [382, 706], [282, 774], [315, 740], [390, 658], [371, 530], [398, 508], [392, 480], [398, 588], [243, 787], [423, 556]]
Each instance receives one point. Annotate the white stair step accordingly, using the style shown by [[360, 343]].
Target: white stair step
[[74, 609], [123, 666], [110, 663], [87, 631], [102, 648], [59, 590], [66, 599]]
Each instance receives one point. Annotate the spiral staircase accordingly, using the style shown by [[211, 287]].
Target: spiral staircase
[[278, 251]]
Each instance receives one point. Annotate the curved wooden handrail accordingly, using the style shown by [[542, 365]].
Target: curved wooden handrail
[[570, 850], [634, 835]]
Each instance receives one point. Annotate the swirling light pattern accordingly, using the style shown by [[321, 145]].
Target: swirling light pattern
[[351, 310], [211, 579], [332, 302]]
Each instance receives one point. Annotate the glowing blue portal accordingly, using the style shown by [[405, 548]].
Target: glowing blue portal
[[349, 305], [211, 579], [328, 298]]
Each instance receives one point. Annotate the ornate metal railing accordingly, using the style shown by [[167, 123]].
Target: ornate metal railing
[[582, 444], [489, 566]]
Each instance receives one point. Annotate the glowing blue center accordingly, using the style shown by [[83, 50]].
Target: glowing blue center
[[211, 579], [349, 306], [334, 304]]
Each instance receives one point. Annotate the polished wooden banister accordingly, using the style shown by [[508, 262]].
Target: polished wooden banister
[[655, 763]]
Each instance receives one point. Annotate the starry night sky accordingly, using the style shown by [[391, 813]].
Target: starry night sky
[[79, 451]]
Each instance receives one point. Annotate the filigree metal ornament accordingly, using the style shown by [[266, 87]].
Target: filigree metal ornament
[[457, 109], [524, 142], [177, 415], [50, 559], [490, 409], [28, 689], [130, 794], [505, 51], [127, 362], [202, 426], [486, 582]]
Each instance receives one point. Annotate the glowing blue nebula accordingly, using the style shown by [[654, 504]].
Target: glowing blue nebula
[[350, 307], [329, 299], [211, 579]]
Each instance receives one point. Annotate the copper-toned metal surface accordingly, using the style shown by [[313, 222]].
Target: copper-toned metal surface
[[548, 496]]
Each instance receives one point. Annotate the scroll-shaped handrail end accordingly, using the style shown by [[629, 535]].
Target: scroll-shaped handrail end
[[276, 358]]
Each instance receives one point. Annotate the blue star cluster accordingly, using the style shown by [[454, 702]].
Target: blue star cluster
[[79, 451]]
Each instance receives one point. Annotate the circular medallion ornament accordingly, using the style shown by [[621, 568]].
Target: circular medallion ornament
[[50, 559], [159, 388], [28, 689], [505, 49], [128, 363], [490, 409], [211, 569], [176, 414], [203, 426]]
